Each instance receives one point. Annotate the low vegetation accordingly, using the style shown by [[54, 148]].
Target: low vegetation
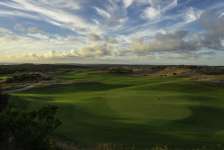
[[142, 106], [121, 70], [27, 130], [3, 100], [28, 77]]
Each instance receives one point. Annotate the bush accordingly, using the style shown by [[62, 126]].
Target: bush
[[28, 77], [20, 130], [3, 100], [121, 70]]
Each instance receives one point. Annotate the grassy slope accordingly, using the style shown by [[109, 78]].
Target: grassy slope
[[140, 110]]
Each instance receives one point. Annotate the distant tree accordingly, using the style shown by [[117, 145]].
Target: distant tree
[[28, 77], [121, 70]]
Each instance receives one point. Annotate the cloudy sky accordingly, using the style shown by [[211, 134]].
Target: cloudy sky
[[112, 31]]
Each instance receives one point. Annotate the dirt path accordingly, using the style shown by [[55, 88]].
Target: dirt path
[[19, 89]]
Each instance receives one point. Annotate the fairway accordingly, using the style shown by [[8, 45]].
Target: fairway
[[98, 107]]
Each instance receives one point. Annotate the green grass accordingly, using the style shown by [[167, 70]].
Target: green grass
[[3, 77], [105, 108]]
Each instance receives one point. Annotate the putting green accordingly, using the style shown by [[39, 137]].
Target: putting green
[[106, 108]]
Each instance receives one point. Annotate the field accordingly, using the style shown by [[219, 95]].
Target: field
[[99, 107]]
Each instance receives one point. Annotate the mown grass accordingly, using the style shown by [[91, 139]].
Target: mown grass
[[98, 107]]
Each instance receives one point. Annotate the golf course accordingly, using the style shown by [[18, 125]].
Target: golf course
[[98, 107]]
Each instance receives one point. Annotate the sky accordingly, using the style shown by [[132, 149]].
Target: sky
[[189, 32]]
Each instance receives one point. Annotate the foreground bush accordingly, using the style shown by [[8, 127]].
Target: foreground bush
[[3, 100], [20, 130]]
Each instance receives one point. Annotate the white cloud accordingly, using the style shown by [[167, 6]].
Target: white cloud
[[151, 13], [171, 5], [36, 42], [68, 4], [55, 16], [164, 5], [4, 13], [158, 8], [128, 3], [192, 15], [102, 12], [4, 32]]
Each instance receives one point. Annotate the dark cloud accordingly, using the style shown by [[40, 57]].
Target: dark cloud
[[211, 36], [213, 23]]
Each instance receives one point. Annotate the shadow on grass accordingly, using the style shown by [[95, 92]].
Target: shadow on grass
[[89, 129], [204, 118], [181, 86], [76, 87]]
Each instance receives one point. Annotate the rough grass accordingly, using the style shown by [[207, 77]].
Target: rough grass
[[3, 78], [98, 107]]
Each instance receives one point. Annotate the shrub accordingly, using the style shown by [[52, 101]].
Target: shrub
[[28, 77], [20, 130], [121, 70], [3, 100]]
